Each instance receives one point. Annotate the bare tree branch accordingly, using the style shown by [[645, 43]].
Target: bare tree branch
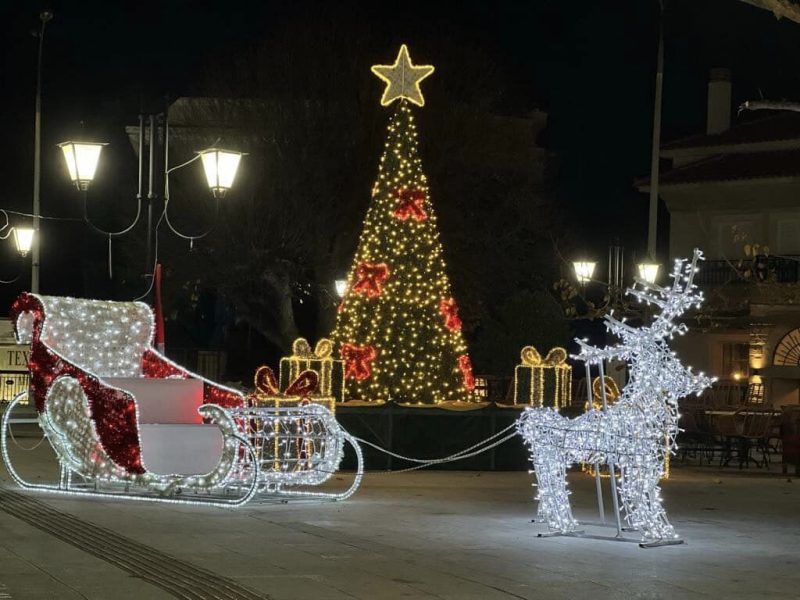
[[769, 105]]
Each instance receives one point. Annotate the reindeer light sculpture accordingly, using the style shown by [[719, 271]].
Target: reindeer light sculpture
[[630, 434]]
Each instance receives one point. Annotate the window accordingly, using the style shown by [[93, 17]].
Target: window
[[787, 352], [788, 236], [735, 364]]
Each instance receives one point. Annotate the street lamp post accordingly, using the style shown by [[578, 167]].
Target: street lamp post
[[647, 271], [655, 151], [44, 17], [151, 196], [220, 167]]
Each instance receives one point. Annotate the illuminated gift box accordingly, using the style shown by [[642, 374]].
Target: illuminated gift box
[[543, 382], [612, 393], [329, 370], [287, 446]]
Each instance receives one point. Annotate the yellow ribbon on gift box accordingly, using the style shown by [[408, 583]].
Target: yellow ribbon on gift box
[[302, 349], [531, 358]]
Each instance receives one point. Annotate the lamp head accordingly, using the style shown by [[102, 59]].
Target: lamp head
[[23, 240], [341, 287], [81, 159], [584, 270], [220, 167], [648, 271]]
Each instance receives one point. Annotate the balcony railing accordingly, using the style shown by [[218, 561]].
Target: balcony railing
[[761, 268]]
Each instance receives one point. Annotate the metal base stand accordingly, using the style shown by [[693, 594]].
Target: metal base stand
[[659, 543]]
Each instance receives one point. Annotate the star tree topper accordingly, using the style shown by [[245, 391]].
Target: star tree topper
[[402, 79]]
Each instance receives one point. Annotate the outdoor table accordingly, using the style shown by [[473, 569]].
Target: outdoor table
[[729, 425]]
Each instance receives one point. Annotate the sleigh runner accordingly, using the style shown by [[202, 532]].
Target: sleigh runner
[[125, 421]]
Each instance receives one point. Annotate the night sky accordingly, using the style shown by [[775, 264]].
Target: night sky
[[590, 64]]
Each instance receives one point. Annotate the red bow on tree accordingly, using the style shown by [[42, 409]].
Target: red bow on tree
[[358, 360], [411, 204], [465, 364], [371, 276], [449, 311]]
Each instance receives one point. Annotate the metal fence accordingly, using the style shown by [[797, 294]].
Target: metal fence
[[208, 363], [785, 269], [12, 383], [490, 388]]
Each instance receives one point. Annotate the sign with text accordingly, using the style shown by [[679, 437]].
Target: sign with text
[[14, 357]]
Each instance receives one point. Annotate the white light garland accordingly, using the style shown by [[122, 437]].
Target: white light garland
[[298, 446], [629, 434], [106, 338], [70, 430]]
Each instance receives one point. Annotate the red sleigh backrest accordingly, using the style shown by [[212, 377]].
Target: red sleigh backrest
[[103, 337]]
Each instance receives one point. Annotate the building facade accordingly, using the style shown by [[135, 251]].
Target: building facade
[[734, 192]]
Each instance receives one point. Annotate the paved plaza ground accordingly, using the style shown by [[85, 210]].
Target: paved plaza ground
[[445, 535]]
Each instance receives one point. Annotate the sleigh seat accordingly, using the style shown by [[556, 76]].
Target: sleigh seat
[[172, 435]]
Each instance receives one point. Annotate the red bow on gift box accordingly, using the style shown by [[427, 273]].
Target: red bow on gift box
[[411, 205], [267, 385], [358, 361]]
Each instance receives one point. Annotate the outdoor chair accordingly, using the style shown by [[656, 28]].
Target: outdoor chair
[[695, 439], [727, 431], [756, 431]]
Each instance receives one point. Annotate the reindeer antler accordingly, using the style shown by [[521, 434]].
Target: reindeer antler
[[673, 301]]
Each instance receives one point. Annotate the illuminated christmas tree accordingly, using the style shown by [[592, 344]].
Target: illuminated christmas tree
[[398, 328]]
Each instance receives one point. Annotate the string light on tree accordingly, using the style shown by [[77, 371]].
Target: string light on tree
[[398, 328]]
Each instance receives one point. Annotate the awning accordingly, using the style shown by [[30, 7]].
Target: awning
[[789, 9]]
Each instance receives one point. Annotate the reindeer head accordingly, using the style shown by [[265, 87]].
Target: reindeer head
[[655, 371]]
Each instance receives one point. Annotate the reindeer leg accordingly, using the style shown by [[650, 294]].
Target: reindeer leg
[[554, 507], [642, 501], [661, 532]]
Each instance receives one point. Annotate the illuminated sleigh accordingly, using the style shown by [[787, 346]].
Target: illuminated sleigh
[[124, 421]]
